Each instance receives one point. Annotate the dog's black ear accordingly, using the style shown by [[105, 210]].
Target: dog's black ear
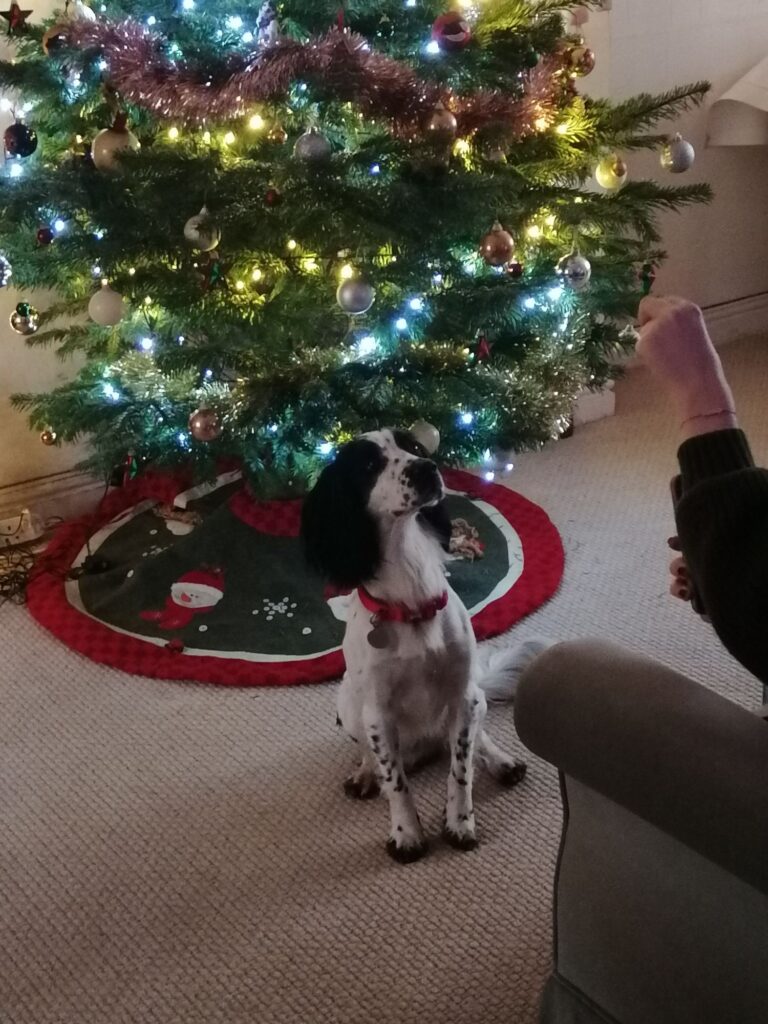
[[340, 536], [437, 519]]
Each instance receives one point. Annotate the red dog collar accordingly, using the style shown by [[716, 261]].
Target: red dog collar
[[401, 613]]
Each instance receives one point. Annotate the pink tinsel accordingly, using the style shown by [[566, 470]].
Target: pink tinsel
[[339, 64]]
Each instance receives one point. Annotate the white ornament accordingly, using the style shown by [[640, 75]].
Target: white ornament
[[427, 435], [575, 270], [611, 173], [79, 11], [202, 232], [107, 307], [110, 143], [678, 155]]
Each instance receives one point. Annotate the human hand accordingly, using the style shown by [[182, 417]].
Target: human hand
[[675, 346], [681, 586]]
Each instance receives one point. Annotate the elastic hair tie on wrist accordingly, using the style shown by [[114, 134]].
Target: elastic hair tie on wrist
[[709, 415]]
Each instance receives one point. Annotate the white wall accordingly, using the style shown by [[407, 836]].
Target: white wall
[[717, 254]]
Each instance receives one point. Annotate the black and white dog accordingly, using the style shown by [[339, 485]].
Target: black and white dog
[[375, 521]]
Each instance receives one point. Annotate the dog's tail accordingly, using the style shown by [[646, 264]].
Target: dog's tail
[[506, 666]]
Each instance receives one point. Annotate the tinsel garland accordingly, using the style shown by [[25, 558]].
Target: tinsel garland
[[339, 65]]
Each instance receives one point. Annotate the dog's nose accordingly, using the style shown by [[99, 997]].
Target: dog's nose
[[423, 475]]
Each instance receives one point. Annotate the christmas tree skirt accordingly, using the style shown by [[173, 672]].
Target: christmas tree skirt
[[207, 584]]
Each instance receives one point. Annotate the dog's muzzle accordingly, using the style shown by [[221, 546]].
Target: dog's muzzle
[[424, 477]]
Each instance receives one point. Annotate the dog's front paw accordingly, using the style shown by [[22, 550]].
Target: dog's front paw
[[406, 848], [361, 784], [460, 831], [510, 773]]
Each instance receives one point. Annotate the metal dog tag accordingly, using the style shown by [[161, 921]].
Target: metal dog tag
[[381, 635]]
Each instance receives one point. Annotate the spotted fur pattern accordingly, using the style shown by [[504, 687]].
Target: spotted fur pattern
[[376, 518]]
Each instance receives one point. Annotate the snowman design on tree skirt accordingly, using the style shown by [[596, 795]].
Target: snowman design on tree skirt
[[194, 593]]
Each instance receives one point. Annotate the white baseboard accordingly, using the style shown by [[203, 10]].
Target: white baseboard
[[729, 321], [59, 496]]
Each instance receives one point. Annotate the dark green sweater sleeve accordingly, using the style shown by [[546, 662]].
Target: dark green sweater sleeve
[[722, 522]]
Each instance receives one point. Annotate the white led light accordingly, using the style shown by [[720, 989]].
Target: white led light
[[111, 392], [208, 374], [188, 5], [437, 280], [5, 103], [146, 344], [401, 323], [555, 293], [59, 225], [529, 303], [490, 475], [247, 37], [16, 170], [432, 48], [467, 418], [272, 428], [375, 169], [366, 346], [416, 304], [325, 448], [235, 22], [151, 20]]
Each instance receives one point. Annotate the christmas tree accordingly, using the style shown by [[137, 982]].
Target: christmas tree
[[273, 226]]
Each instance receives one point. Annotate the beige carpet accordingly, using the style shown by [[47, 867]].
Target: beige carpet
[[176, 854]]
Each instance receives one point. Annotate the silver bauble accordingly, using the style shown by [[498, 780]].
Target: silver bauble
[[107, 307], [202, 232], [25, 319], [109, 143], [575, 271], [678, 155], [355, 297], [6, 271], [312, 147], [427, 435]]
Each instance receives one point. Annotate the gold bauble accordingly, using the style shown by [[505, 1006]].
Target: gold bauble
[[582, 60], [55, 38], [277, 134], [611, 172], [205, 425], [49, 437], [497, 246], [442, 124]]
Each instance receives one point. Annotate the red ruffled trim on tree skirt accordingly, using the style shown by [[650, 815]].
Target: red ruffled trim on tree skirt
[[543, 562]]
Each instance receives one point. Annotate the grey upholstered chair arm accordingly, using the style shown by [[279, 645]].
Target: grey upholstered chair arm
[[671, 751]]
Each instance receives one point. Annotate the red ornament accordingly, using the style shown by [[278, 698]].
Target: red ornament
[[16, 18], [515, 269], [451, 31], [44, 236], [272, 197], [483, 350]]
